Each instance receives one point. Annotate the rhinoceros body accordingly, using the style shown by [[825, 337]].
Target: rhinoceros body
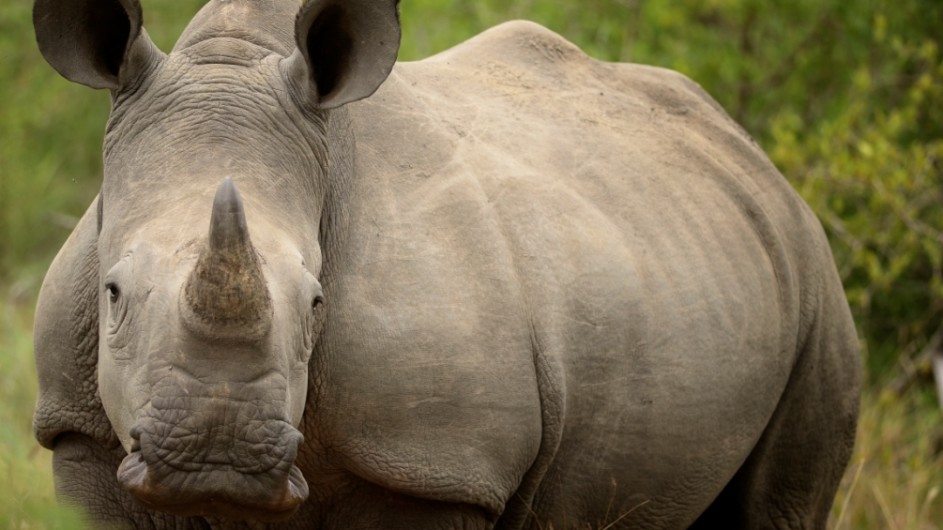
[[515, 287]]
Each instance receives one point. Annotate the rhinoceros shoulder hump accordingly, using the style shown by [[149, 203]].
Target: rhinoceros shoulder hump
[[514, 41]]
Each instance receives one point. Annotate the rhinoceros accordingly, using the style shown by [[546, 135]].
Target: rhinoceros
[[508, 286]]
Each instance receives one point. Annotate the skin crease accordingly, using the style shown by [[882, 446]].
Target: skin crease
[[505, 287]]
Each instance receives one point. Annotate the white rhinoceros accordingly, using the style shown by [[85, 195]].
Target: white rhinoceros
[[508, 286]]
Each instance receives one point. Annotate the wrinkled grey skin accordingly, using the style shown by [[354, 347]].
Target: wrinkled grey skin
[[514, 288]]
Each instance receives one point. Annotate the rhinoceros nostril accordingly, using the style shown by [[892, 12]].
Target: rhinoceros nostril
[[135, 433]]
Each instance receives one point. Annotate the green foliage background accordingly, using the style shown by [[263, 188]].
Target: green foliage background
[[846, 96]]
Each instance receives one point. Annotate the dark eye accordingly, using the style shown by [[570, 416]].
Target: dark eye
[[113, 292], [317, 302]]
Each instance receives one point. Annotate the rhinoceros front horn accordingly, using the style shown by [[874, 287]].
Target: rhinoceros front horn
[[225, 296]]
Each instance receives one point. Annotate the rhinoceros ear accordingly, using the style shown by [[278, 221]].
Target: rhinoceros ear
[[346, 49], [98, 43]]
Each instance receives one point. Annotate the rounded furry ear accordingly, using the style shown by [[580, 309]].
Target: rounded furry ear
[[92, 42], [345, 50]]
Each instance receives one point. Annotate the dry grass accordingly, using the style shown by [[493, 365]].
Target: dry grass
[[27, 500], [896, 474]]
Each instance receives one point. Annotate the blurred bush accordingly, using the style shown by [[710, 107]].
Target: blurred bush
[[874, 175]]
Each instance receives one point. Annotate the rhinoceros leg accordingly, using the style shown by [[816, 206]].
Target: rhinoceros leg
[[790, 479], [69, 418]]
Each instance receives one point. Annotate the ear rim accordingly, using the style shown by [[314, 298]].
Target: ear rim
[[370, 60], [59, 38]]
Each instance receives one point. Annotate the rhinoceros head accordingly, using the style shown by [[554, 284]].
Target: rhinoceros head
[[210, 301]]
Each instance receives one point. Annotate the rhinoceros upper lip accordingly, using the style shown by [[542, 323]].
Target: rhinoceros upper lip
[[265, 492], [222, 492]]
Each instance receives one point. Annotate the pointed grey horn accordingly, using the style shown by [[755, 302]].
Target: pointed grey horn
[[226, 295], [228, 229]]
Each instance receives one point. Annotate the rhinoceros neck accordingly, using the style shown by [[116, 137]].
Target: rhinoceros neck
[[341, 148], [267, 23]]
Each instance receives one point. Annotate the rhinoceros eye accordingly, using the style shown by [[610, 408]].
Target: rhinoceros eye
[[113, 292]]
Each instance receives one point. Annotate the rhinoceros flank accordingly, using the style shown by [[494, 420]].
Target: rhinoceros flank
[[508, 286]]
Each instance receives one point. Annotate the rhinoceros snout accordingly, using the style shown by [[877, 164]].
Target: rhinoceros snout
[[240, 471]]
